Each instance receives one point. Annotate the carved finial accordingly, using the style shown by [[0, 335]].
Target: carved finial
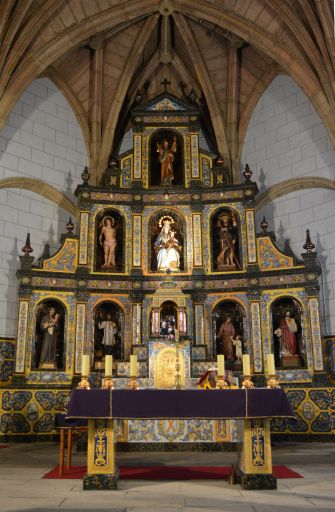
[[219, 161], [264, 225], [70, 226], [85, 176], [247, 173], [309, 246], [27, 249]]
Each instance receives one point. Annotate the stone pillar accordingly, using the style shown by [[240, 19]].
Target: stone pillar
[[102, 472], [255, 458]]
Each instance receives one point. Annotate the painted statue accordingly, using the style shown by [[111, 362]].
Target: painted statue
[[166, 159], [167, 247], [50, 327], [110, 329], [287, 334], [108, 242], [226, 335], [237, 342], [227, 258]]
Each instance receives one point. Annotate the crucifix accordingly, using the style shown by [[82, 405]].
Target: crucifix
[[165, 83]]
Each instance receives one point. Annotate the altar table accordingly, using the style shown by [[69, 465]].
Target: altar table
[[254, 406]]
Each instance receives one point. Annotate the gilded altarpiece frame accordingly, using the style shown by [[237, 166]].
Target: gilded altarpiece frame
[[207, 214], [185, 213], [267, 299], [83, 238], [197, 239], [21, 336], [125, 211], [147, 133], [80, 334], [67, 299], [137, 241], [251, 236]]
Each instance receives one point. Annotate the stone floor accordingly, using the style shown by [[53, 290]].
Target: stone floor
[[21, 487]]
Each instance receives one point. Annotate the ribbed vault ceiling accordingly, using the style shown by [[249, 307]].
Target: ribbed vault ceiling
[[221, 54]]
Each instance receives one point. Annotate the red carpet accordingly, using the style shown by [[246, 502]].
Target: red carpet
[[169, 473]]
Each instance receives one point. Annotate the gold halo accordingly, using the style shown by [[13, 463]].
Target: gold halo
[[166, 217], [107, 217]]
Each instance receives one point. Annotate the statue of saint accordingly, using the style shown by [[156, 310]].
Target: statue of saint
[[166, 159], [226, 335], [110, 330], [50, 326], [227, 258], [286, 333], [167, 247], [107, 240]]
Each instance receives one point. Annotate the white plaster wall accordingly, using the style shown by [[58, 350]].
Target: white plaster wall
[[286, 139], [41, 139]]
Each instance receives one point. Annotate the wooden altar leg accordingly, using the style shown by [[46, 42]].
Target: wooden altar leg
[[69, 448], [61, 451], [102, 473], [255, 458]]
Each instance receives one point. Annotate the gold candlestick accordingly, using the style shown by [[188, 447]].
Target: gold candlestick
[[272, 382], [85, 371], [247, 382], [221, 383], [133, 384]]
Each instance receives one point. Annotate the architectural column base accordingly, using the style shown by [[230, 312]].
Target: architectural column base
[[98, 482], [257, 482]]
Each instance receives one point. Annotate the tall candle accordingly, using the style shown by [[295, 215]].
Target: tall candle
[[271, 364], [246, 364], [133, 366], [108, 365], [220, 360], [85, 365]]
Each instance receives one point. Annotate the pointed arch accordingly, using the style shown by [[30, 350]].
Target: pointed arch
[[43, 189]]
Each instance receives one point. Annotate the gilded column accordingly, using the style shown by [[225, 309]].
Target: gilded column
[[256, 330], [22, 331], [81, 312], [313, 309], [102, 471], [251, 236], [255, 460]]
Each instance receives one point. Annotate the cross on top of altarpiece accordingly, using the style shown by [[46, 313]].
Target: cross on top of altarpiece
[[165, 83]]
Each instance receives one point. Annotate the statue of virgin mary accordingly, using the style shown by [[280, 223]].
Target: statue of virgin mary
[[167, 247]]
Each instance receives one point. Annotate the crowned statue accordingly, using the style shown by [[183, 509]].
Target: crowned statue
[[167, 246]]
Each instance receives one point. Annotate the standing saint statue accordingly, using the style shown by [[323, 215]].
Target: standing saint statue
[[50, 327], [286, 333], [166, 159], [227, 258], [108, 242], [110, 329], [167, 247], [226, 336]]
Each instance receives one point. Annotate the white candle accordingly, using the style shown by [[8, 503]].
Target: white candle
[[108, 366], [220, 360], [271, 364], [246, 365], [85, 365], [133, 366]]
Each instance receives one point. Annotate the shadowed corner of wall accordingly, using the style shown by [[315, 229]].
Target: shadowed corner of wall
[[261, 181], [283, 243], [12, 285], [325, 290]]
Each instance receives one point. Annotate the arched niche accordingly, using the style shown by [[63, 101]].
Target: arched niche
[[229, 331], [166, 161], [109, 250], [49, 350], [288, 347], [226, 241], [167, 242], [108, 321]]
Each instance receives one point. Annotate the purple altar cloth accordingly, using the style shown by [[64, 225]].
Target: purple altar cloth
[[186, 403]]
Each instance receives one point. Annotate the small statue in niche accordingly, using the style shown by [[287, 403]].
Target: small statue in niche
[[237, 342], [226, 336], [108, 242], [166, 159], [227, 258], [110, 330], [50, 326], [167, 246], [286, 333]]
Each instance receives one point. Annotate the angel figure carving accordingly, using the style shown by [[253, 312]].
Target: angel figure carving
[[108, 242], [166, 158]]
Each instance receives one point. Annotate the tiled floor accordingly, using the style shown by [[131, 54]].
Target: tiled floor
[[21, 487]]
